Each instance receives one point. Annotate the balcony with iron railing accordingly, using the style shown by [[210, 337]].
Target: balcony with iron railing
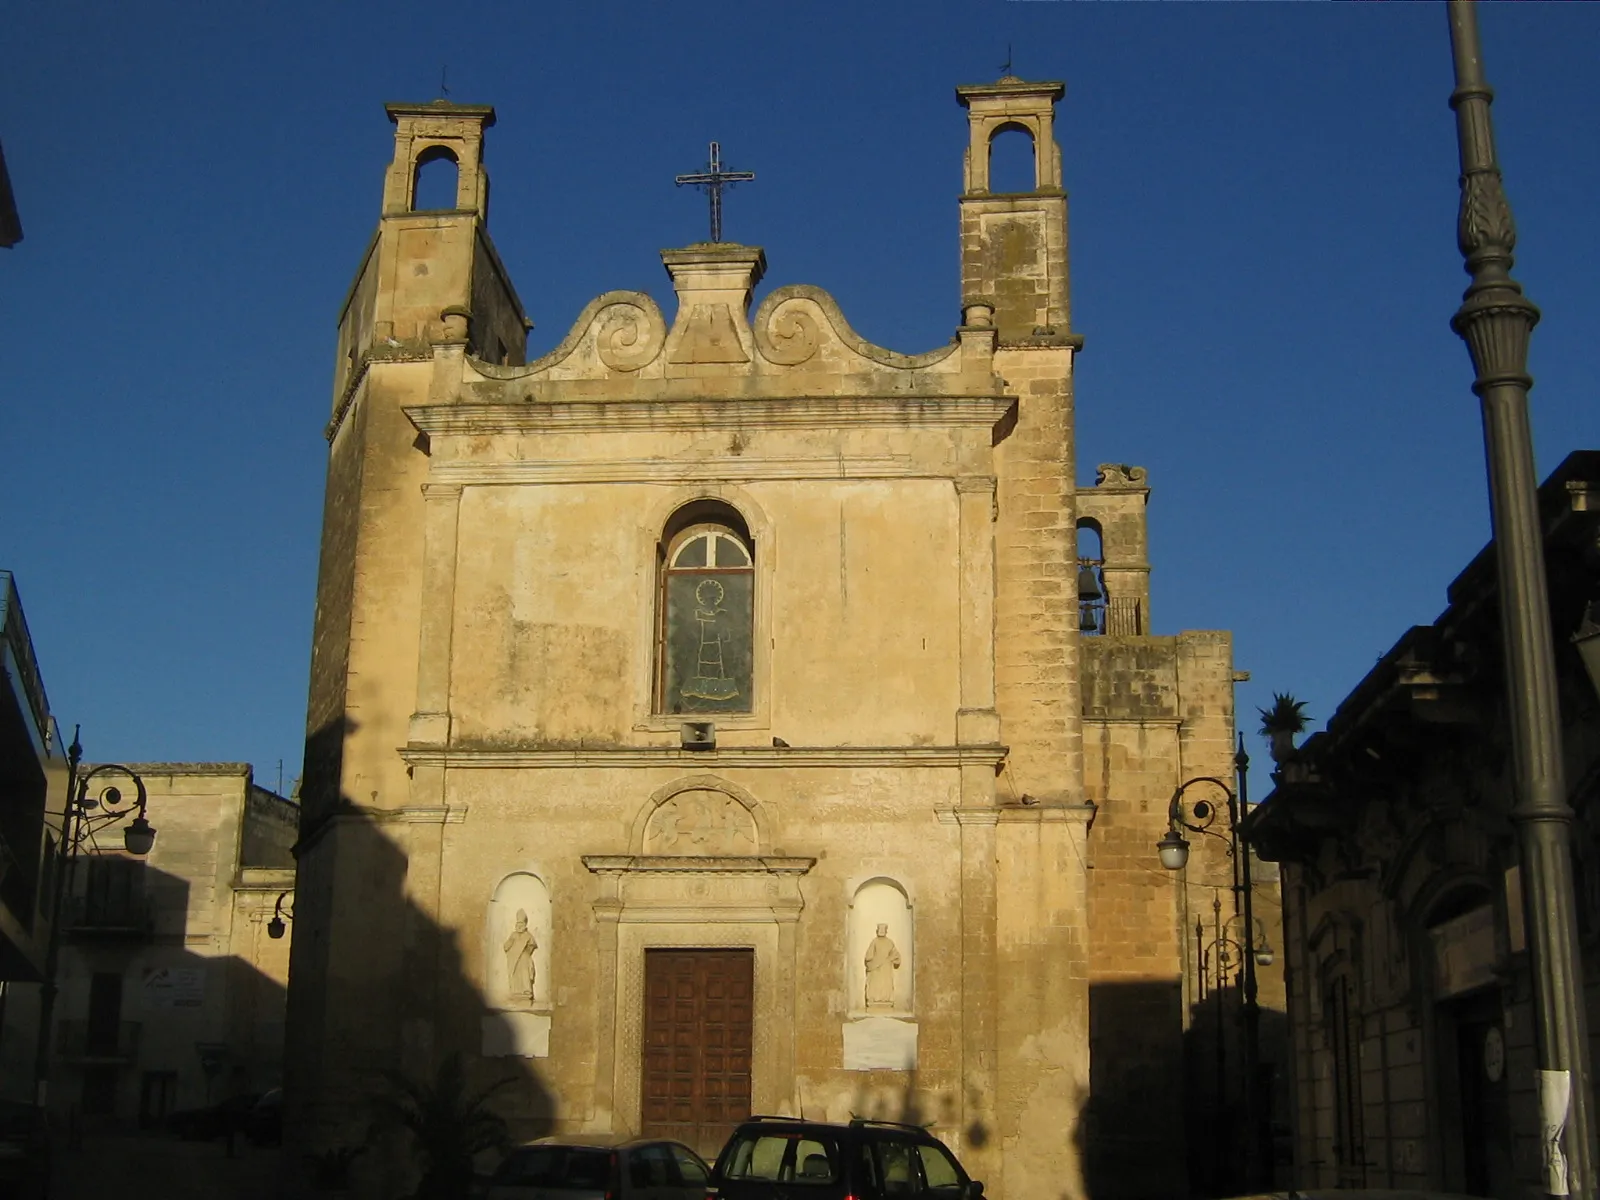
[[97, 1041], [127, 916]]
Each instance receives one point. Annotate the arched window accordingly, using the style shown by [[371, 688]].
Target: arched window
[[705, 612], [1091, 578], [1012, 162], [434, 188]]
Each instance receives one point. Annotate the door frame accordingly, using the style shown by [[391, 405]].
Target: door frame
[[649, 903]]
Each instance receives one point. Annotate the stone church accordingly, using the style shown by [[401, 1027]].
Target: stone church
[[722, 714]]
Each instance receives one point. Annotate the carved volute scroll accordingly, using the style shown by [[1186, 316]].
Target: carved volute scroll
[[791, 334], [701, 821], [628, 336]]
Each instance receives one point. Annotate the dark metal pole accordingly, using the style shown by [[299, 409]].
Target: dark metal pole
[[1255, 1151], [1496, 321], [52, 953], [1220, 1120]]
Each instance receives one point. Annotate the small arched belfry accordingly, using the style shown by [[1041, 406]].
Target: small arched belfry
[[698, 711]]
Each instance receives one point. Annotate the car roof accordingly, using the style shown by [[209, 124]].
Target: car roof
[[855, 1123], [598, 1141]]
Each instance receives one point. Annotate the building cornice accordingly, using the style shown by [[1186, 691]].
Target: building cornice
[[727, 757], [696, 864], [791, 412]]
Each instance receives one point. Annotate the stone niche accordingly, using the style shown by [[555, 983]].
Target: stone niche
[[517, 980], [880, 1032]]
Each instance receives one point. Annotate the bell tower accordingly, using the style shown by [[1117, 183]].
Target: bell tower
[[1014, 244]]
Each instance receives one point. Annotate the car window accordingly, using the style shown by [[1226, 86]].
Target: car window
[[866, 1180], [649, 1166], [587, 1169], [536, 1166], [691, 1171], [783, 1158], [897, 1169], [939, 1171], [556, 1167]]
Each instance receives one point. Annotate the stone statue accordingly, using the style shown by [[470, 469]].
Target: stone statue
[[883, 960], [519, 947]]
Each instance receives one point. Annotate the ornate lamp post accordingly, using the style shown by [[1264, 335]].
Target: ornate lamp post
[[1174, 851], [276, 927], [1496, 320], [85, 815]]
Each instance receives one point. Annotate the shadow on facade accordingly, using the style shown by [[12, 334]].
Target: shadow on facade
[[378, 988], [1223, 1134], [1133, 1124], [143, 1026]]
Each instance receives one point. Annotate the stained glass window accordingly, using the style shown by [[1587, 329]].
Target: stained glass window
[[707, 616]]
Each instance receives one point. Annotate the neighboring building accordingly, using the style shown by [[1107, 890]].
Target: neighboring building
[[10, 222], [171, 991], [1410, 1003], [32, 770], [702, 716]]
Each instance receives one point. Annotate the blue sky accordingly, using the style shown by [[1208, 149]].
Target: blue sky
[[1263, 263]]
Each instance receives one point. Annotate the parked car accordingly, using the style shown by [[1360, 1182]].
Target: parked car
[[263, 1124], [600, 1168], [782, 1158], [24, 1150], [219, 1120]]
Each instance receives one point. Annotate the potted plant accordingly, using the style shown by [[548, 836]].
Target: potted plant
[[1282, 722], [448, 1123]]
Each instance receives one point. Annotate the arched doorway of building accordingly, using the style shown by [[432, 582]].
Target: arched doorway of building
[[1474, 1107]]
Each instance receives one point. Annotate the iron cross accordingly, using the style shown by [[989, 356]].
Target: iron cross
[[714, 179]]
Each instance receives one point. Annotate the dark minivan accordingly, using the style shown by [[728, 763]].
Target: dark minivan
[[782, 1158]]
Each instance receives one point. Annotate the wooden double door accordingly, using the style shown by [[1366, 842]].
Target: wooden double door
[[699, 1012]]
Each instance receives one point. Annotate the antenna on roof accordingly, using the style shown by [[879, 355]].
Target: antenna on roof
[[444, 82], [1006, 67]]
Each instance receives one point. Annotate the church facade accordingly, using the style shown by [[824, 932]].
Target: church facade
[[701, 721]]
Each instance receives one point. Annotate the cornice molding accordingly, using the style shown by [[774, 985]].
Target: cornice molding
[[696, 864], [729, 468], [725, 757], [781, 412]]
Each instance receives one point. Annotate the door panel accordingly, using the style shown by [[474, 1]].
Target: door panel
[[698, 1022]]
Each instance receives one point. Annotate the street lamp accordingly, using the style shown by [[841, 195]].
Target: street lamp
[[83, 817], [1173, 849], [276, 927], [1496, 321]]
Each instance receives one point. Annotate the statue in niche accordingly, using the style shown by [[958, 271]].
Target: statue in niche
[[519, 947], [883, 960]]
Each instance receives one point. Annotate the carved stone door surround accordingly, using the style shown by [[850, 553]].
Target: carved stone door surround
[[680, 900]]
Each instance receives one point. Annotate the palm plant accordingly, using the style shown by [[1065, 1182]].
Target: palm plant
[[1282, 722], [449, 1124]]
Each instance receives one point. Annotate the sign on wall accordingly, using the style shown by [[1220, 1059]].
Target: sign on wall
[[1463, 952], [173, 987]]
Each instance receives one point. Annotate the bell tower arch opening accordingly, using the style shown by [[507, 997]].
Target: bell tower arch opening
[[1013, 159], [435, 184], [428, 140]]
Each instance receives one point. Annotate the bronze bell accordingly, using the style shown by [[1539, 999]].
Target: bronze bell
[[1088, 621], [1088, 585]]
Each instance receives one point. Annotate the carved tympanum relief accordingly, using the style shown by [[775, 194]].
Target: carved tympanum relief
[[702, 822]]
